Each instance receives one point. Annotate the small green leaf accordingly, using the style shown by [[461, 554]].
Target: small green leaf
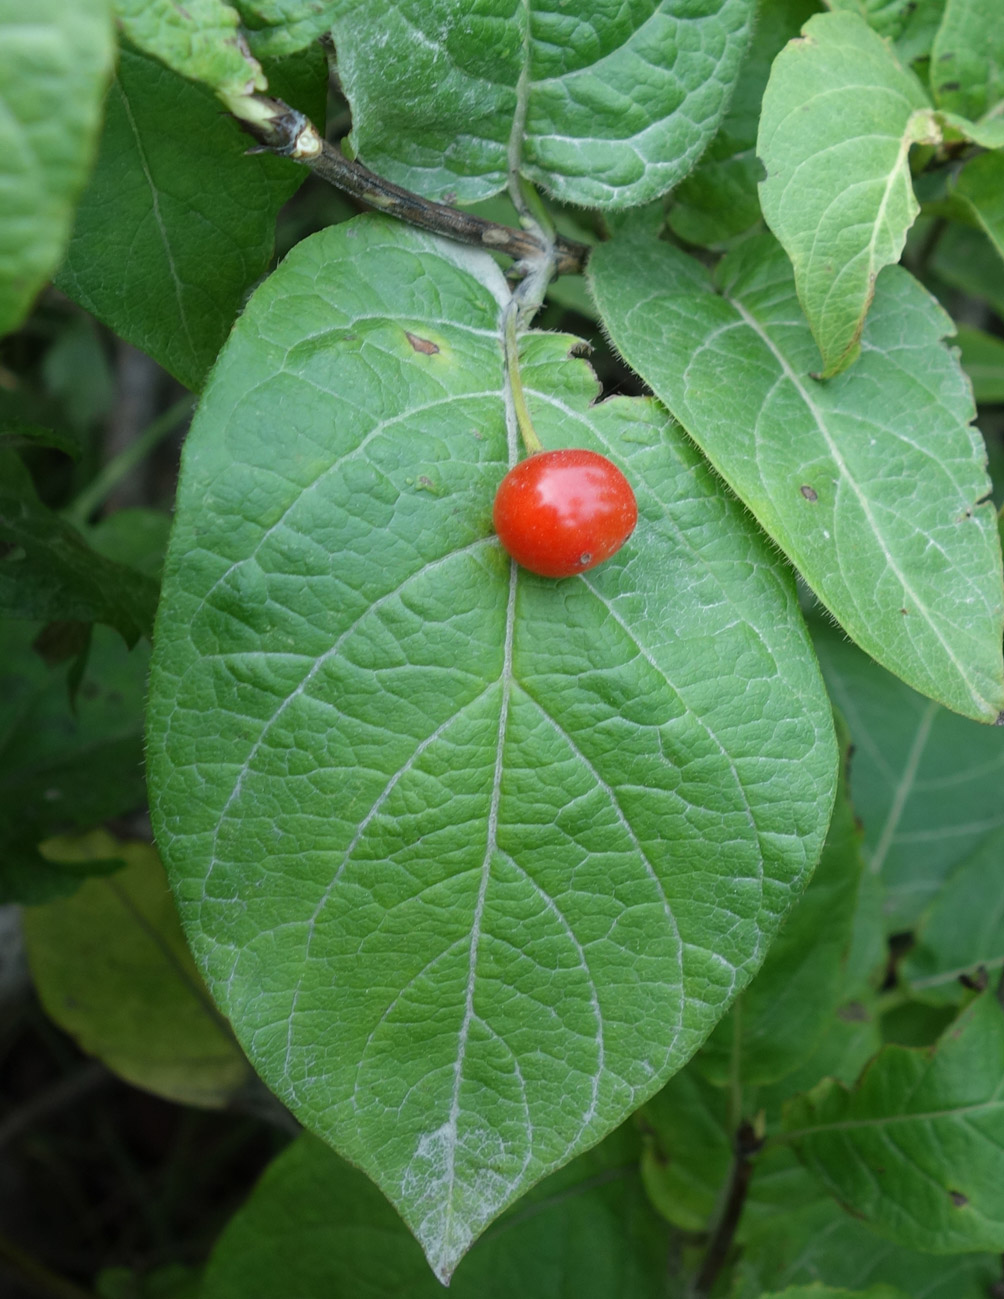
[[874, 484], [925, 782], [839, 117], [177, 222], [965, 259], [963, 931], [48, 571], [983, 361], [394, 778], [17, 435], [981, 187], [914, 42], [112, 969], [967, 61], [914, 1149], [605, 106], [780, 1019], [800, 1236], [199, 40], [63, 767], [276, 28], [315, 1226], [688, 1149], [889, 18], [55, 59]]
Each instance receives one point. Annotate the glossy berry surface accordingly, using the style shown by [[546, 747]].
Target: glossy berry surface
[[559, 513]]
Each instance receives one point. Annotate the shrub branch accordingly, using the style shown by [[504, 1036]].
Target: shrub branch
[[286, 131]]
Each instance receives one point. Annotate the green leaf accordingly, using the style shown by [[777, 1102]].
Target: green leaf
[[48, 571], [54, 64], [276, 28], [111, 968], [889, 18], [780, 1019], [719, 199], [199, 40], [966, 260], [315, 1226], [688, 1149], [603, 106], [873, 484], [64, 768], [981, 186], [910, 24], [983, 361], [964, 929], [138, 535], [175, 1281], [16, 435], [423, 776], [839, 117], [967, 62], [851, 1039], [925, 782], [806, 1239], [177, 222], [914, 1149]]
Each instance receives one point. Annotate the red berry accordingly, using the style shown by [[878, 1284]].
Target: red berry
[[561, 512]]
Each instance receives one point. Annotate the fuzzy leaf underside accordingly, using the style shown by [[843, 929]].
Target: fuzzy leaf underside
[[606, 107], [473, 860], [199, 39], [874, 483]]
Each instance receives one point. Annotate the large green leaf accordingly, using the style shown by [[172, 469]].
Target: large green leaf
[[111, 968], [914, 1149], [967, 61], [839, 117], [54, 64], [177, 222], [873, 484], [315, 1226], [199, 39], [925, 782], [780, 1019], [964, 929], [603, 105], [473, 860]]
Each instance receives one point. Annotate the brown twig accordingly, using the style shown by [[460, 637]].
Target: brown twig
[[748, 1144], [286, 131]]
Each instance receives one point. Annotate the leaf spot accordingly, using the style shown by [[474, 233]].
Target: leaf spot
[[809, 493], [958, 1199], [423, 345]]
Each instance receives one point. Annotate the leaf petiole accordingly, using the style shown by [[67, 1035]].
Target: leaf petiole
[[527, 432]]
